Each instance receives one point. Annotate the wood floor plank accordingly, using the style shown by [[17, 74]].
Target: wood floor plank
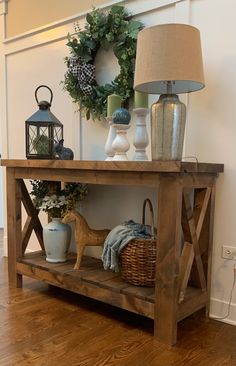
[[43, 325]]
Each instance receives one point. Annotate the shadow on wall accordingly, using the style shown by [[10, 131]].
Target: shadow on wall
[[109, 206]]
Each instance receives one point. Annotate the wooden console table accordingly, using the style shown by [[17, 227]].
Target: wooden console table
[[185, 194]]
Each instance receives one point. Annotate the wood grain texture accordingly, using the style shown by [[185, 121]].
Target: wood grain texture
[[46, 326], [32, 222], [90, 280], [170, 179], [130, 178], [167, 267], [148, 166], [202, 213], [196, 180], [203, 203], [186, 262], [14, 226], [194, 240]]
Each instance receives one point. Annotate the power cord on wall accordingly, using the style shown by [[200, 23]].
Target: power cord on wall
[[231, 294]]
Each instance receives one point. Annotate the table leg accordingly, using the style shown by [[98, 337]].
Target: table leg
[[168, 257], [210, 248], [13, 226]]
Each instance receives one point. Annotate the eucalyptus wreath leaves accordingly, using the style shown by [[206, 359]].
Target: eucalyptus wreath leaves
[[113, 29]]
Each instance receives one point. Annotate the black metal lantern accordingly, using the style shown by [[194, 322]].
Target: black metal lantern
[[42, 130]]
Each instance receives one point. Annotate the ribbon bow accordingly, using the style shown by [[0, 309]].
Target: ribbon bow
[[86, 77], [84, 72]]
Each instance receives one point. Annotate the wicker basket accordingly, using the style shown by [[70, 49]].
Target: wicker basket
[[138, 257]]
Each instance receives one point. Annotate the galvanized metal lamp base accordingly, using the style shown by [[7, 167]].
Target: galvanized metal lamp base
[[168, 117]]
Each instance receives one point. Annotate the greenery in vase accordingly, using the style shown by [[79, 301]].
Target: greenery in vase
[[59, 202]]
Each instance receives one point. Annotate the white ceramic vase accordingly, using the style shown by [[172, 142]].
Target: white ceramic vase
[[56, 237]]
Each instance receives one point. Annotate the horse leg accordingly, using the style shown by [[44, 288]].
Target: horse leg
[[80, 250]]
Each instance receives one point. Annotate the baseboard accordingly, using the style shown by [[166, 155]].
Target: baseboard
[[219, 309]]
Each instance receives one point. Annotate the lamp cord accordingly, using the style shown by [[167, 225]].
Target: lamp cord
[[231, 295], [191, 157]]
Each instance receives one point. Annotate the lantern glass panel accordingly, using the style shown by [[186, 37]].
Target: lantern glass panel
[[58, 136], [39, 140]]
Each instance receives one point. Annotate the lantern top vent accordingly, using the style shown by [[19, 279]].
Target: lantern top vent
[[44, 104]]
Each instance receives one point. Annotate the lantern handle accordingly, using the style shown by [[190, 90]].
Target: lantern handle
[[43, 86]]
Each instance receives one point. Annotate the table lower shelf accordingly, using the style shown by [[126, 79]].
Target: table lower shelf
[[93, 281]]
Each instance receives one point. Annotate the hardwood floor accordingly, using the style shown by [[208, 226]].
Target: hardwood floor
[[45, 326], [1, 242]]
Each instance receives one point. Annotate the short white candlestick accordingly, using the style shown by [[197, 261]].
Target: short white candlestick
[[141, 139], [121, 144], [110, 138]]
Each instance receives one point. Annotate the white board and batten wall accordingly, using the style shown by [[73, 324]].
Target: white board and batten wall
[[36, 57]]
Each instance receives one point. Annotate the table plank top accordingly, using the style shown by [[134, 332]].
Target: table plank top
[[131, 166]]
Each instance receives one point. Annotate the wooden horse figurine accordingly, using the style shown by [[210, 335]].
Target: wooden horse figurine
[[84, 235]]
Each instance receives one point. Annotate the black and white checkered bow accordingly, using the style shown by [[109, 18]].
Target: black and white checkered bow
[[86, 77], [84, 72], [74, 61], [87, 89]]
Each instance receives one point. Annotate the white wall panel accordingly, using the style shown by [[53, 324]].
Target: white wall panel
[[25, 71], [212, 130]]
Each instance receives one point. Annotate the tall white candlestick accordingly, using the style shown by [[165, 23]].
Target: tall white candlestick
[[110, 138], [141, 139]]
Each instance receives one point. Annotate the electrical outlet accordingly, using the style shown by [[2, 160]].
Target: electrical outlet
[[228, 252]]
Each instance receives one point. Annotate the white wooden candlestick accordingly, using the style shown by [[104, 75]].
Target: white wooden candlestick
[[141, 139], [121, 144], [110, 138]]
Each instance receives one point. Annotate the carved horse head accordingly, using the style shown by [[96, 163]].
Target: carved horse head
[[74, 216]]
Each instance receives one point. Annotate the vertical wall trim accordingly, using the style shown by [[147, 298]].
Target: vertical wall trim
[[76, 133], [3, 124], [81, 135], [3, 7]]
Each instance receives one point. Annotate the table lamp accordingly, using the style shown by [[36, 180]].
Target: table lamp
[[168, 62]]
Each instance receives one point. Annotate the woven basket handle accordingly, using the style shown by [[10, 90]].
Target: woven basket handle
[[147, 200]]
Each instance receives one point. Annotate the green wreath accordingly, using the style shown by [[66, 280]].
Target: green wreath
[[116, 29]]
